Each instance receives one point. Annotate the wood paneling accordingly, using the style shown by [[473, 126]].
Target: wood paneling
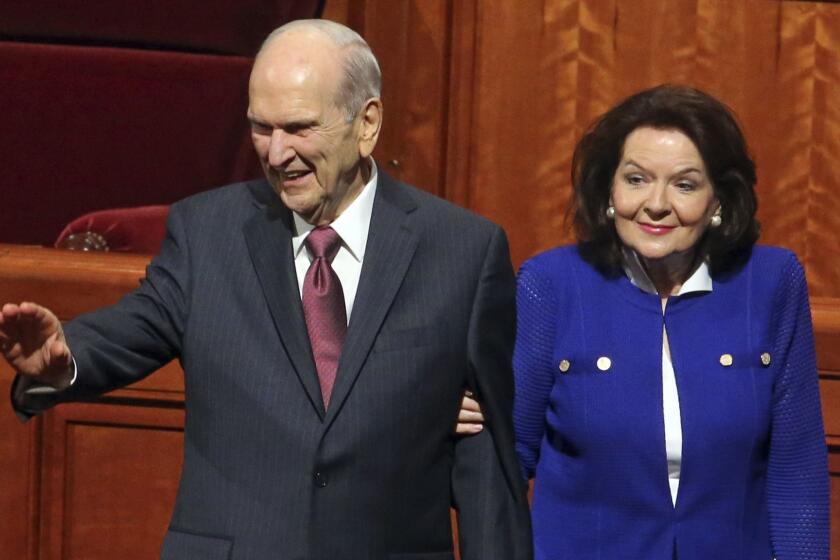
[[20, 460], [88, 480], [834, 469], [110, 475], [65, 282]]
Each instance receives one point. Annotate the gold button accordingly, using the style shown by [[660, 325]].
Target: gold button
[[726, 360], [765, 358], [564, 366], [603, 363]]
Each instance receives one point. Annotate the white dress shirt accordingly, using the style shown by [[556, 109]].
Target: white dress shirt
[[699, 281], [352, 227]]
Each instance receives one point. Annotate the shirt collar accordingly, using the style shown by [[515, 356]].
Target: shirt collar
[[351, 226], [699, 281]]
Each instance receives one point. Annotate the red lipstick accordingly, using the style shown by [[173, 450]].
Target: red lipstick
[[657, 229]]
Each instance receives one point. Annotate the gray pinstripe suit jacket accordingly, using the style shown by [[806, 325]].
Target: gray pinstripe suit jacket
[[268, 473]]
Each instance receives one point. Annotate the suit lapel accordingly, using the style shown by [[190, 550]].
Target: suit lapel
[[390, 247], [269, 238]]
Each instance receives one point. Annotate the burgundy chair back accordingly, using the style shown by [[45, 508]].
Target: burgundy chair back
[[140, 229]]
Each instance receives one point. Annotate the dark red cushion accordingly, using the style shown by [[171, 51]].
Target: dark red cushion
[[130, 230]]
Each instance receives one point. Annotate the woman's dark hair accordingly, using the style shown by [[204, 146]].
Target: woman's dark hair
[[713, 129]]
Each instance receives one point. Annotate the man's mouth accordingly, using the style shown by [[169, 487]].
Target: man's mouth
[[293, 175]]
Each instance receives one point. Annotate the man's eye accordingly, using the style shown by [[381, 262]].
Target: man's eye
[[297, 130], [259, 128]]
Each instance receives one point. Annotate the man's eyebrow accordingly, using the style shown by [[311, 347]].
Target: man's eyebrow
[[253, 119], [298, 124]]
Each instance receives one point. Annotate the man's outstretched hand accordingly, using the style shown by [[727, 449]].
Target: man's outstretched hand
[[32, 341]]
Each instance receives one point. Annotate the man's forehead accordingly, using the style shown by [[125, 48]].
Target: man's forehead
[[294, 63], [300, 45]]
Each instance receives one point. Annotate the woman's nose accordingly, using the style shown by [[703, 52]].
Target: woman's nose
[[657, 205]]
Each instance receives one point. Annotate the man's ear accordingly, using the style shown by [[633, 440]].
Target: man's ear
[[369, 126]]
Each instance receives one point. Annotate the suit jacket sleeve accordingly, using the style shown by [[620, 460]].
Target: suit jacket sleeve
[[489, 493], [121, 344], [797, 472]]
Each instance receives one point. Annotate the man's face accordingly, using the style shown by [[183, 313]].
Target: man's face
[[310, 154]]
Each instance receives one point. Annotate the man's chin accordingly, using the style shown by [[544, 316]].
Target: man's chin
[[301, 205]]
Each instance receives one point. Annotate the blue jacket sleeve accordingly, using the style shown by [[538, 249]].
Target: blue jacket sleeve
[[533, 361], [797, 474]]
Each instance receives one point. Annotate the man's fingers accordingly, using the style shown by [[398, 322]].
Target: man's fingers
[[467, 429], [9, 321], [32, 341], [470, 416], [59, 355], [469, 403]]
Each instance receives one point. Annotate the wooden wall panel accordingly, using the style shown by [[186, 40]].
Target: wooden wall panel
[[110, 475], [824, 205], [86, 481], [834, 470], [20, 460]]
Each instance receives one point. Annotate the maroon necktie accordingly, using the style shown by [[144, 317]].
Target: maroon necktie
[[323, 307]]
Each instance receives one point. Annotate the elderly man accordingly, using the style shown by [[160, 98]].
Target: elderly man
[[328, 321]]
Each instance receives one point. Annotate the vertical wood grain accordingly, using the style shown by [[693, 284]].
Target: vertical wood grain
[[823, 262], [20, 464]]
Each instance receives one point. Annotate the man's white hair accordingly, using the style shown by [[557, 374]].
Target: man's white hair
[[362, 77]]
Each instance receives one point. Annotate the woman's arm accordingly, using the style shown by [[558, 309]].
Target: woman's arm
[[533, 362], [797, 474]]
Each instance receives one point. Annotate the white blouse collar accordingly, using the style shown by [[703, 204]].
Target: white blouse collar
[[699, 281]]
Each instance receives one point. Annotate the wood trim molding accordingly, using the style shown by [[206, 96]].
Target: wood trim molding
[[68, 282], [826, 316]]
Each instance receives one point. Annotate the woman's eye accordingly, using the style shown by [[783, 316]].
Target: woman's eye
[[686, 186], [634, 179]]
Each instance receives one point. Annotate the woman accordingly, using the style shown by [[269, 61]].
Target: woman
[[667, 401]]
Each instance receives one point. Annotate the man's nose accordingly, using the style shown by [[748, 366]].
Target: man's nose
[[280, 149], [658, 205]]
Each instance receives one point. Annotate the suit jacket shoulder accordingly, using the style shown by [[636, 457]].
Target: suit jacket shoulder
[[432, 210]]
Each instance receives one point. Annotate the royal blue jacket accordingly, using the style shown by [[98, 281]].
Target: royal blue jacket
[[754, 476]]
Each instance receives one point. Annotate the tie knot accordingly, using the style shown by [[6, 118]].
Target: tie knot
[[323, 242]]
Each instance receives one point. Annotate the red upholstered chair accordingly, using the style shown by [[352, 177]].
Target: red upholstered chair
[[129, 230]]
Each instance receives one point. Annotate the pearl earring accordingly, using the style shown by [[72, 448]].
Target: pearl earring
[[715, 221], [610, 212]]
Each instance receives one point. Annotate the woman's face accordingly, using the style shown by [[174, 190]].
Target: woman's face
[[662, 195]]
